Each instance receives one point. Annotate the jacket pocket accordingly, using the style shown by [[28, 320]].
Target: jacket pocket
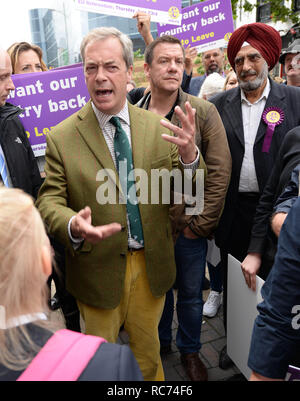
[[85, 248]]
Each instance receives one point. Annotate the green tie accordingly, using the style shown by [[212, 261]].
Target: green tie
[[125, 166]]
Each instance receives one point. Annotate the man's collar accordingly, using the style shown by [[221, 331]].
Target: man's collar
[[264, 95], [9, 109], [19, 320], [171, 112], [146, 101], [104, 118]]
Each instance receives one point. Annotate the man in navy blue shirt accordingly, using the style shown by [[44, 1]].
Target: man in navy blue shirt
[[213, 61], [276, 334]]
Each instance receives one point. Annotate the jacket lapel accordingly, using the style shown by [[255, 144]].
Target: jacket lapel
[[138, 127], [233, 111], [92, 135]]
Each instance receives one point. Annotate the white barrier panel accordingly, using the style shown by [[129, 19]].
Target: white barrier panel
[[241, 313]]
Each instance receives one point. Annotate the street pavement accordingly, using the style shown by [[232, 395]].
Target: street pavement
[[213, 340]]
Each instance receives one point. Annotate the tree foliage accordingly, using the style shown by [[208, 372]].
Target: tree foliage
[[279, 11]]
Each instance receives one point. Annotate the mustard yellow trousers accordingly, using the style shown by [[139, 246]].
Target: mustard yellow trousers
[[139, 311]]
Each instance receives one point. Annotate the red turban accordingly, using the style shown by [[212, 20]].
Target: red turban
[[261, 36]]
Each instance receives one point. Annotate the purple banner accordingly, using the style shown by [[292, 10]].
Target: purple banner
[[163, 11], [293, 374], [206, 25], [48, 98]]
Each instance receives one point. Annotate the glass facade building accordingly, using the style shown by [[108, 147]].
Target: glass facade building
[[125, 25], [48, 32], [59, 31]]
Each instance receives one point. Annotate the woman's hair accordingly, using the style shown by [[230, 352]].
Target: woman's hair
[[105, 33], [23, 288], [17, 48], [230, 72]]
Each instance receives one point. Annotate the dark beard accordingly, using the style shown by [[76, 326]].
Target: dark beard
[[215, 69]]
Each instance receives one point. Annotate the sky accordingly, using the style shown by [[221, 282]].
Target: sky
[[14, 19]]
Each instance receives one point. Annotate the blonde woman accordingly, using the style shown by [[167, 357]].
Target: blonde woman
[[231, 80], [26, 57], [25, 264]]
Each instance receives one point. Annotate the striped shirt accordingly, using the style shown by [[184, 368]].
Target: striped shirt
[[7, 170]]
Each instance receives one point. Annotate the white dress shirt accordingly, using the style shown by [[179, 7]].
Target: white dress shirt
[[252, 114]]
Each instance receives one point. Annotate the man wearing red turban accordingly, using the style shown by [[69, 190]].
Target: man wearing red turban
[[256, 116], [262, 37]]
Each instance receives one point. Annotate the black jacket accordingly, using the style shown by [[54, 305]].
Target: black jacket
[[275, 340], [263, 240], [290, 194], [19, 156], [228, 103]]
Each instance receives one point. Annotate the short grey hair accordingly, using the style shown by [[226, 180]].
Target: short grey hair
[[104, 33]]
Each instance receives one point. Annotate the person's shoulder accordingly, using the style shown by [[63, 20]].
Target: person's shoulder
[[8, 109], [67, 125], [39, 334], [285, 89], [291, 142], [291, 224], [195, 84], [293, 135], [143, 114], [136, 95], [112, 362], [199, 104], [222, 96], [13, 125], [10, 113], [199, 78], [293, 90]]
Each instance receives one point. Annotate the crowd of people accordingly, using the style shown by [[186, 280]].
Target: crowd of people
[[118, 263]]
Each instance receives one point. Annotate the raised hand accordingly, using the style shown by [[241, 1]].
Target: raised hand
[[143, 25], [185, 135]]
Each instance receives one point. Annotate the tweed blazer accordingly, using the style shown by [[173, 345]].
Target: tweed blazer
[[287, 98], [76, 157]]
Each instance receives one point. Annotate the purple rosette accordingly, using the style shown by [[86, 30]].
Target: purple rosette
[[272, 116]]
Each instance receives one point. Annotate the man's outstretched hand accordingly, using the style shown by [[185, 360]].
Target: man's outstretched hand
[[81, 227]]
